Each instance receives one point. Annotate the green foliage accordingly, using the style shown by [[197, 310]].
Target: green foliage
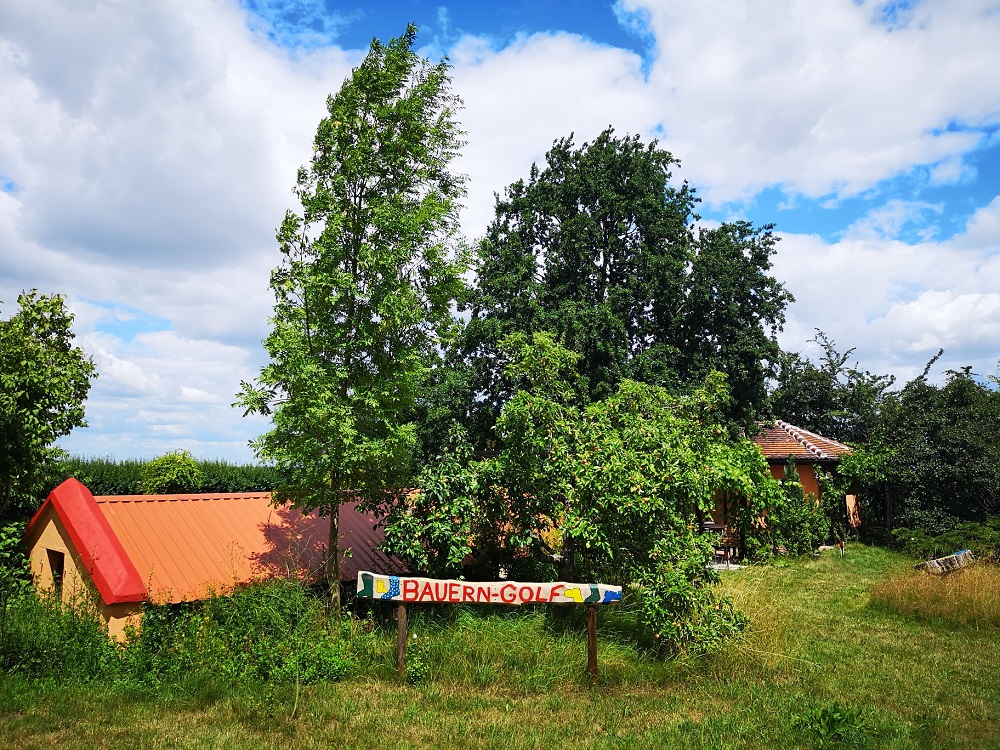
[[44, 381], [273, 632], [269, 632], [107, 476], [797, 522], [417, 669], [599, 249], [830, 398], [677, 599], [222, 476], [42, 637], [175, 472], [936, 453], [982, 538], [591, 492], [102, 476], [432, 529], [364, 292], [832, 724], [15, 571]]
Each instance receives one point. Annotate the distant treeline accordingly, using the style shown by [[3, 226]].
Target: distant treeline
[[106, 476]]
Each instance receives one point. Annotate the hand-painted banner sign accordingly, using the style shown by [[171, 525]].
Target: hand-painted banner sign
[[405, 589]]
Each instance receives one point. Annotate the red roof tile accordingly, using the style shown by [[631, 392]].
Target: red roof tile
[[781, 440]]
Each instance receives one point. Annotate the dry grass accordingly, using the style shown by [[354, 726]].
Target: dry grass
[[970, 596]]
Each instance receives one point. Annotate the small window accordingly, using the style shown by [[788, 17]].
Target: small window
[[57, 564]]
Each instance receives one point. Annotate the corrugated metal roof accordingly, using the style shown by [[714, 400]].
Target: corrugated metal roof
[[781, 440], [187, 547]]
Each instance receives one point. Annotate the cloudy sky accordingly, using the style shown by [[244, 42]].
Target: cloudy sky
[[148, 149]]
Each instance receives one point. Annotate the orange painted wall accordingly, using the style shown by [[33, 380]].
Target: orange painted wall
[[77, 590], [807, 477]]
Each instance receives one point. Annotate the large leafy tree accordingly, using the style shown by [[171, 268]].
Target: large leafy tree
[[365, 287], [44, 381], [936, 452], [830, 397], [611, 490], [600, 249]]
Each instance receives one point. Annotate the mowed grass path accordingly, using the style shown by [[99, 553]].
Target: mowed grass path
[[515, 680]]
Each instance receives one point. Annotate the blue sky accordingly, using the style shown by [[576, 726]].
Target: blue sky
[[147, 153]]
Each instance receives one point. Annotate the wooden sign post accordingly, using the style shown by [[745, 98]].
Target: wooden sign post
[[404, 590]]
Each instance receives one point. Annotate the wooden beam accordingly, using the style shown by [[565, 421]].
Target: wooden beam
[[401, 640], [592, 643]]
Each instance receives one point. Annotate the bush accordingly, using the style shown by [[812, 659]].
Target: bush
[[102, 476], [677, 600], [170, 473], [42, 637], [982, 538], [798, 522], [106, 476], [267, 632]]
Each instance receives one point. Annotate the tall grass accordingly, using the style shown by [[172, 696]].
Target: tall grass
[[969, 596], [818, 667]]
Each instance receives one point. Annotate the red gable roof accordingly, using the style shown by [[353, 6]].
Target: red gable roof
[[100, 551], [186, 547], [781, 440]]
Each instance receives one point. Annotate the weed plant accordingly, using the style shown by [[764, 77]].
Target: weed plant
[[968, 596], [269, 632], [41, 637]]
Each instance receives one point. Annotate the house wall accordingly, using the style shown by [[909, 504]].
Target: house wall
[[76, 587], [53, 536], [807, 477]]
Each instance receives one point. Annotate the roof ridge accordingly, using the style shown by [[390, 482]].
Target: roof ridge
[[802, 435], [111, 569], [181, 497]]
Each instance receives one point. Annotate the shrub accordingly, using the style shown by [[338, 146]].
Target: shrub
[[169, 473], [42, 637], [102, 476], [982, 538], [267, 632], [107, 476], [677, 601], [798, 521]]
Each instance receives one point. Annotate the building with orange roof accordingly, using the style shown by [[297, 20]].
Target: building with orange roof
[[813, 453], [122, 551]]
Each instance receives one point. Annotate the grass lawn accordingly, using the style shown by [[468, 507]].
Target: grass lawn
[[821, 666]]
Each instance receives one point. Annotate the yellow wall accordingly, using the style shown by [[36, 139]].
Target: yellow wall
[[77, 589]]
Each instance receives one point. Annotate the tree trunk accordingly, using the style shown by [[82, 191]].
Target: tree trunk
[[566, 564], [333, 553]]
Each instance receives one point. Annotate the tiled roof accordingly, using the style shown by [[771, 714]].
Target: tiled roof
[[781, 440], [186, 547]]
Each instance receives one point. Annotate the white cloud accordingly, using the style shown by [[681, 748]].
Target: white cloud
[[817, 97], [888, 220], [152, 146], [899, 303], [520, 99]]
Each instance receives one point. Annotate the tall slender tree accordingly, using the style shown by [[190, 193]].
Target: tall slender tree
[[370, 270]]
